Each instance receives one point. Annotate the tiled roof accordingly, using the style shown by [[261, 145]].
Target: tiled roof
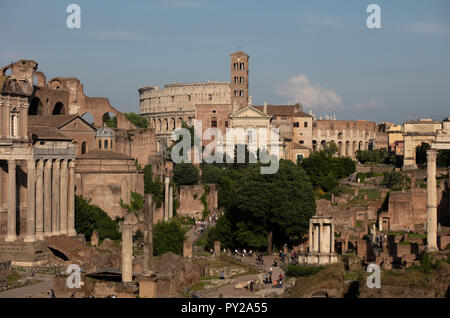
[[104, 154], [43, 132], [301, 114], [278, 110], [55, 121]]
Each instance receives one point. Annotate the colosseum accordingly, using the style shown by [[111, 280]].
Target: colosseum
[[167, 108]]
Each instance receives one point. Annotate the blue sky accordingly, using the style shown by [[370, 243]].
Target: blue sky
[[320, 53]]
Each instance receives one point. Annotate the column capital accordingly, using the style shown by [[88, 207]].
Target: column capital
[[71, 163], [48, 164], [431, 154], [40, 164], [31, 164], [56, 163], [64, 163], [11, 162]]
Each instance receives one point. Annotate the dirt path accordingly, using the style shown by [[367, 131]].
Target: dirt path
[[229, 290], [28, 291]]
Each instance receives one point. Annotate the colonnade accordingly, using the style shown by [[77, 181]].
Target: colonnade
[[50, 199]]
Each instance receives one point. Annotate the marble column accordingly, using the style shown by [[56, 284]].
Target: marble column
[[316, 238], [31, 203], [63, 197], [55, 197], [71, 200], [170, 202], [148, 234], [431, 201], [40, 200], [332, 237], [127, 247], [310, 237], [5, 122], [48, 197], [321, 240], [166, 198], [11, 235]]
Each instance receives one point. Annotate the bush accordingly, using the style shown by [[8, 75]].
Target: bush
[[168, 236], [90, 217], [302, 271], [185, 174], [361, 176]]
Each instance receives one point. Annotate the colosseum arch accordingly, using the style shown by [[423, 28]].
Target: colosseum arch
[[323, 145], [36, 107], [166, 124], [355, 147], [314, 145], [347, 148], [58, 109], [340, 148], [172, 123]]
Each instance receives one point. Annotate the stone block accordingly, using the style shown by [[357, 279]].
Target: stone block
[[147, 289]]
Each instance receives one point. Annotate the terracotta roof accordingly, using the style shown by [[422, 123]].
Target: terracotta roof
[[55, 121], [298, 146], [238, 53], [104, 154], [301, 114], [278, 110], [46, 133]]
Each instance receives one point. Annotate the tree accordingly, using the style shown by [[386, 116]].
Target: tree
[[421, 153], [185, 174], [110, 121], [259, 206], [137, 120], [211, 174], [396, 179], [136, 203], [168, 236], [90, 217], [153, 186]]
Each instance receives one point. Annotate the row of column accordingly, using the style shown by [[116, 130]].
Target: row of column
[[50, 199], [321, 238]]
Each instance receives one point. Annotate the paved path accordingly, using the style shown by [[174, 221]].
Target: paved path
[[230, 291], [28, 291]]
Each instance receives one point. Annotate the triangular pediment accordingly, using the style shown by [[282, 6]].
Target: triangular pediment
[[249, 112]]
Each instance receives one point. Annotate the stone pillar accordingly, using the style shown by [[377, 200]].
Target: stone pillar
[[31, 201], [187, 249], [55, 197], [217, 248], [321, 238], [127, 247], [310, 237], [11, 235], [166, 198], [40, 200], [48, 198], [431, 201], [170, 202], [5, 121], [71, 200], [148, 234], [332, 237], [63, 197]]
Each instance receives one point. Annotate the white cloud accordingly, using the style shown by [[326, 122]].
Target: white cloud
[[427, 28], [299, 89]]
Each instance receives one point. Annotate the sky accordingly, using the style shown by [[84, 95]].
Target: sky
[[319, 53]]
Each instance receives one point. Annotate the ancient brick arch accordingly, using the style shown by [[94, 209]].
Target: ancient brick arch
[[98, 106]]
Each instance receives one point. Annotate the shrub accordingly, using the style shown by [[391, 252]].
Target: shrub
[[302, 271], [361, 176], [168, 236], [185, 174]]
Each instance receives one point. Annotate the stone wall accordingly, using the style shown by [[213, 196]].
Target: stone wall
[[190, 203]]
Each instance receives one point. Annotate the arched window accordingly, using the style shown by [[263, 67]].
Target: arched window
[[214, 122], [99, 144], [106, 144], [111, 144], [83, 147], [13, 122]]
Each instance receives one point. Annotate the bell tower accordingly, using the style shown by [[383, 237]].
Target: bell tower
[[239, 79]]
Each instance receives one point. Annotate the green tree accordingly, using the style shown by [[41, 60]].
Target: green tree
[[185, 174], [153, 185], [110, 121], [260, 205], [90, 217], [211, 174], [136, 203], [396, 179], [138, 120], [168, 236]]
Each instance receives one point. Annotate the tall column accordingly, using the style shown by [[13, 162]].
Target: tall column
[[5, 122], [11, 235], [55, 197], [127, 247], [40, 200], [63, 197], [71, 200], [48, 198], [316, 238], [332, 238], [148, 234], [431, 201], [170, 202], [310, 237], [31, 197], [166, 198], [321, 245]]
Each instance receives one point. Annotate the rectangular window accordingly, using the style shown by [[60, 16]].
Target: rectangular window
[[226, 123], [296, 124], [210, 96], [189, 97], [306, 124]]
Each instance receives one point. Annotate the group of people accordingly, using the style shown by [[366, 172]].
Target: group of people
[[200, 227]]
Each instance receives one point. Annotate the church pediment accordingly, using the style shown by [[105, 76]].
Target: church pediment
[[249, 112]]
